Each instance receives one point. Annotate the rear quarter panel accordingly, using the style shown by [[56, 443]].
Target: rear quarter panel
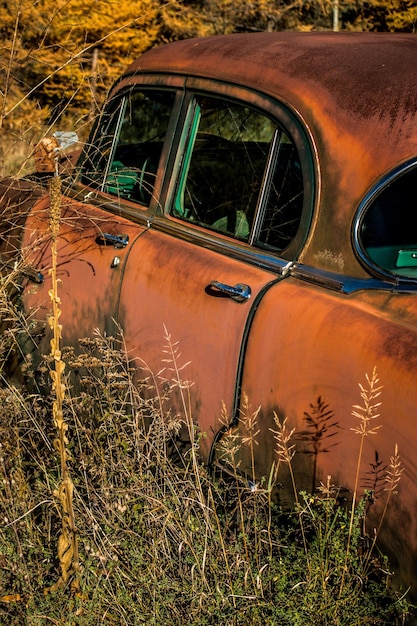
[[307, 343]]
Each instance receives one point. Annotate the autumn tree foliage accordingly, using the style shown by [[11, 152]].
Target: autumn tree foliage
[[49, 47], [59, 57]]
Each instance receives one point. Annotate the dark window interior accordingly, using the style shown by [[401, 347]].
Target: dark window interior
[[389, 227], [240, 172], [227, 164], [128, 146], [285, 199]]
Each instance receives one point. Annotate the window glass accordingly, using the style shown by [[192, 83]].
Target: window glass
[[233, 153], [388, 230], [128, 145], [284, 202]]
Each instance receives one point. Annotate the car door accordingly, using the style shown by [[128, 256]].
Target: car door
[[119, 174], [92, 248], [234, 215]]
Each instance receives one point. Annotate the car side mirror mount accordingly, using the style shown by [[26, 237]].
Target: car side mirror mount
[[65, 138], [49, 150]]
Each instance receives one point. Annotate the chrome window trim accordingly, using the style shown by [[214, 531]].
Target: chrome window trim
[[265, 187], [287, 120], [217, 242], [242, 251], [158, 211]]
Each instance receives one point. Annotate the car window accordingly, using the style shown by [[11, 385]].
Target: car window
[[240, 175], [128, 146], [388, 232], [281, 214]]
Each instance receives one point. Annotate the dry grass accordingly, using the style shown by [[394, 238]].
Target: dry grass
[[161, 540]]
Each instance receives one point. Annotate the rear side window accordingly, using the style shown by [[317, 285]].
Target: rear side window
[[240, 175], [388, 229], [128, 145]]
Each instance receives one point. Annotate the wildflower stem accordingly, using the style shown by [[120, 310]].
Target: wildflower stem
[[67, 541]]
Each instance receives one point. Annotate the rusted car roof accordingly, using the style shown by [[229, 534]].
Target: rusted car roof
[[351, 89]]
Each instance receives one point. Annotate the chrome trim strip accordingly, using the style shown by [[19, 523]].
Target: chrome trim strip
[[350, 284], [279, 266], [223, 245]]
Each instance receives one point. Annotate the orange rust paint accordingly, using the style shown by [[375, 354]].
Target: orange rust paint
[[89, 285], [166, 287], [352, 90], [321, 346]]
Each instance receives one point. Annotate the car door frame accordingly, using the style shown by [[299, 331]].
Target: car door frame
[[276, 263]]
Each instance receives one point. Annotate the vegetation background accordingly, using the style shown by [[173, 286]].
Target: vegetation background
[[58, 58]]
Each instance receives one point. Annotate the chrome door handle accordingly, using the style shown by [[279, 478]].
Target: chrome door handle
[[117, 241], [238, 293]]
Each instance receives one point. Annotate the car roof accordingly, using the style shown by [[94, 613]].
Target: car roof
[[359, 72], [355, 92]]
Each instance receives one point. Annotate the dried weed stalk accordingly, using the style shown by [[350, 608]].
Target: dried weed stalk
[[67, 541], [366, 413]]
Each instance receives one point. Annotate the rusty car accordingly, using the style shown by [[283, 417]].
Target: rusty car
[[253, 195]]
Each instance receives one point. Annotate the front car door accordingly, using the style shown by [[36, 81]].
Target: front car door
[[102, 215]]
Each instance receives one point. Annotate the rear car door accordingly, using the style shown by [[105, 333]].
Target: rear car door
[[234, 213]]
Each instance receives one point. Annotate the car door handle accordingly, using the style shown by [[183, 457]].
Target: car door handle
[[238, 293], [117, 241]]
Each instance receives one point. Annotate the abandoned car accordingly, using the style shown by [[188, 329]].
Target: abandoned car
[[254, 196]]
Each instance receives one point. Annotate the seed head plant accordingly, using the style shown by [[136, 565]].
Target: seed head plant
[[67, 541], [366, 414]]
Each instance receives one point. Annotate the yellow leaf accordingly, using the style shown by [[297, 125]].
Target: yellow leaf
[[11, 597]]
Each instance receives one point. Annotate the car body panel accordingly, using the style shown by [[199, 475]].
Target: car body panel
[[350, 89], [89, 276], [297, 367], [17, 198], [167, 291]]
